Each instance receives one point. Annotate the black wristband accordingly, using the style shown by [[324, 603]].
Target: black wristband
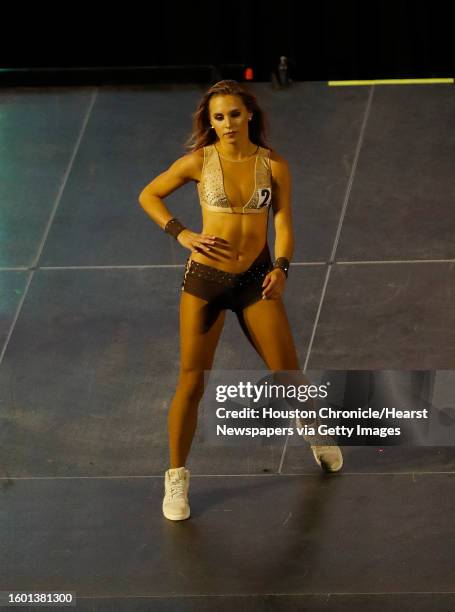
[[283, 264], [174, 227]]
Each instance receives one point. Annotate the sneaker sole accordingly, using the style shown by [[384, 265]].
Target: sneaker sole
[[177, 517]]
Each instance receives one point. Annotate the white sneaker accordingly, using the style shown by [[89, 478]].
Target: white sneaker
[[328, 456], [175, 502]]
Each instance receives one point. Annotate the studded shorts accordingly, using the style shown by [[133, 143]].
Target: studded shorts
[[226, 289]]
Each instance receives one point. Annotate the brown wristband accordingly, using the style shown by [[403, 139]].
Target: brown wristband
[[283, 264], [174, 227]]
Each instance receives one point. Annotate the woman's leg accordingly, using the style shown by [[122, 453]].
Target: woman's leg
[[266, 326], [200, 329]]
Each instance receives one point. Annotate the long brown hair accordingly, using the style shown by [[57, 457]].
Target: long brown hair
[[202, 134]]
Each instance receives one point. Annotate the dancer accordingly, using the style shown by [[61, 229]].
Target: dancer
[[239, 178]]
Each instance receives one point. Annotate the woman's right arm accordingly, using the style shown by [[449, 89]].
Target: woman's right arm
[[151, 197]]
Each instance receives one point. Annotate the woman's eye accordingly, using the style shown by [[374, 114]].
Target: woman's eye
[[233, 115]]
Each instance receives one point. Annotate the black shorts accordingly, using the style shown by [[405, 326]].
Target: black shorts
[[225, 289]]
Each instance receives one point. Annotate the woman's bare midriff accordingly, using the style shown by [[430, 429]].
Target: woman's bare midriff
[[239, 240]]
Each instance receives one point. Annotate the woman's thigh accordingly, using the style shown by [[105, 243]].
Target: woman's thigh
[[200, 328], [266, 326]]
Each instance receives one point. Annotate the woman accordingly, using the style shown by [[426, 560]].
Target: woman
[[238, 179]]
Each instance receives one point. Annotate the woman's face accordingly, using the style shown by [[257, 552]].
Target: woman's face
[[229, 117]]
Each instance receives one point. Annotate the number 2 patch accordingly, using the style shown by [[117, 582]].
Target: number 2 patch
[[264, 197]]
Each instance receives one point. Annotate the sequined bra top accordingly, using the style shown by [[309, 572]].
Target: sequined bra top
[[211, 186]]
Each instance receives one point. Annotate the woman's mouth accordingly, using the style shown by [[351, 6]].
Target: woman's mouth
[[229, 133]]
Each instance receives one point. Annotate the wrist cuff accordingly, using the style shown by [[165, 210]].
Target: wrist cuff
[[174, 227], [283, 263]]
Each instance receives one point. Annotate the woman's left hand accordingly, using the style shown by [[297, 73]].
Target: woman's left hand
[[273, 285]]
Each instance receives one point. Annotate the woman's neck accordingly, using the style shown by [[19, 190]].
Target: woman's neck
[[236, 151]]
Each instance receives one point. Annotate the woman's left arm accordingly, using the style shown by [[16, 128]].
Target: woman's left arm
[[275, 281], [281, 203]]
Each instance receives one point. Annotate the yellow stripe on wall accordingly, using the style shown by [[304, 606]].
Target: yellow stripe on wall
[[389, 82]]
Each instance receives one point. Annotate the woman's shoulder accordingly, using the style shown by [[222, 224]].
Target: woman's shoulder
[[192, 162], [278, 164], [276, 158]]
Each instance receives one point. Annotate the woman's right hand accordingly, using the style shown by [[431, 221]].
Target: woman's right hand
[[197, 243]]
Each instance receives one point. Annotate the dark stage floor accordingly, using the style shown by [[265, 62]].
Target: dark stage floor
[[90, 356]]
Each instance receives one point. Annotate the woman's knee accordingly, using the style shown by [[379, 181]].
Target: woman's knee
[[191, 383]]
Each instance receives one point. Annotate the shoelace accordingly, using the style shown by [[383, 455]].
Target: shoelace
[[313, 440], [322, 448], [177, 487]]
